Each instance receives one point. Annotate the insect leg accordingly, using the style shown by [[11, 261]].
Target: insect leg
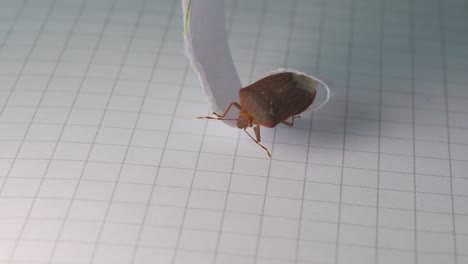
[[290, 124], [227, 110], [258, 143], [224, 114], [257, 132]]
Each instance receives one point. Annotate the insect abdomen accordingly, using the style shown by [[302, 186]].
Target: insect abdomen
[[275, 98]]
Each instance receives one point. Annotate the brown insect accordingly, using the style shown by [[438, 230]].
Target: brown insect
[[272, 100]]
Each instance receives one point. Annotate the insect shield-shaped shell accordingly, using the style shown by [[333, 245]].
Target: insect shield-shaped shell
[[272, 100], [277, 97]]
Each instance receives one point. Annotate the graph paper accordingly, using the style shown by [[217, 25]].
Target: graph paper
[[103, 161]]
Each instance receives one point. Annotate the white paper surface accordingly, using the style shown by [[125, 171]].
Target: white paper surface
[[102, 160], [207, 49]]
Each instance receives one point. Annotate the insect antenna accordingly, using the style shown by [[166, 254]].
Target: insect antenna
[[268, 152], [216, 118]]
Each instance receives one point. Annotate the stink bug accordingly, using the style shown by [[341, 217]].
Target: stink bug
[[271, 101]]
